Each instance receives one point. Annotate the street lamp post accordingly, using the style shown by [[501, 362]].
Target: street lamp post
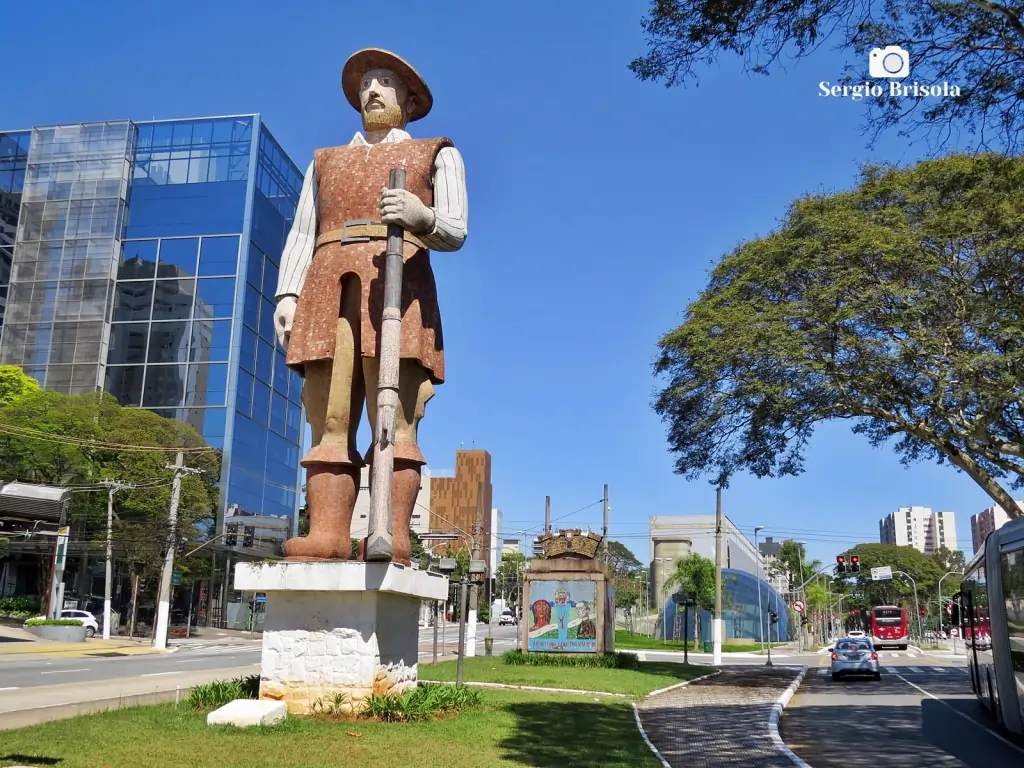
[[760, 610], [917, 606], [803, 592], [961, 573]]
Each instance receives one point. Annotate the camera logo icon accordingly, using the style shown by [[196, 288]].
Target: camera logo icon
[[891, 62]]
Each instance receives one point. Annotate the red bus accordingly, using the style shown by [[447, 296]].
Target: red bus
[[889, 626]]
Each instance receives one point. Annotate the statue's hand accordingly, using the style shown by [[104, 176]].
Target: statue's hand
[[402, 207], [283, 316]]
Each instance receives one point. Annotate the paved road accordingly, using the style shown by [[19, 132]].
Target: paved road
[[921, 713], [26, 672]]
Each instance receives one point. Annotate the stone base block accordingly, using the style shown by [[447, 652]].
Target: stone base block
[[244, 713], [335, 634]]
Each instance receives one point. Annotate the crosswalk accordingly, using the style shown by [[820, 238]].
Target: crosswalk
[[214, 648], [920, 670]]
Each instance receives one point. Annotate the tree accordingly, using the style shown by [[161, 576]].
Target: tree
[[898, 591], [620, 558], [898, 306], [976, 45], [624, 565], [694, 574], [949, 560], [14, 384], [508, 579]]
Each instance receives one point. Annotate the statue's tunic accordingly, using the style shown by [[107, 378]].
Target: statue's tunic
[[350, 179]]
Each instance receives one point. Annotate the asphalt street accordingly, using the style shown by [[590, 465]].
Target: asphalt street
[[921, 713], [20, 672]]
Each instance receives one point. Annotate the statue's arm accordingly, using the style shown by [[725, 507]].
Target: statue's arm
[[451, 208], [298, 248]]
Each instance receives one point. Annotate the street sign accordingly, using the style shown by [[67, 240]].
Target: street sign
[[176, 579], [881, 574], [798, 606], [62, 547]]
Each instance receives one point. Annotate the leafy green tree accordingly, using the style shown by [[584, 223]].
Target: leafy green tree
[[624, 565], [694, 574], [976, 45], [14, 384], [897, 306], [923, 569], [949, 560]]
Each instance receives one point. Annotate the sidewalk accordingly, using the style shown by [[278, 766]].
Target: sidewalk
[[720, 722], [115, 646], [29, 706]]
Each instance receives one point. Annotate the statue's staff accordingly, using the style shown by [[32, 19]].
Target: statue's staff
[[379, 535]]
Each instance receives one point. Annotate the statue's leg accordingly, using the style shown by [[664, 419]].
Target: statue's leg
[[414, 390], [333, 396]]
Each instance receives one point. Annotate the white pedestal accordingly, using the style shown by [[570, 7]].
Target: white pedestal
[[335, 628]]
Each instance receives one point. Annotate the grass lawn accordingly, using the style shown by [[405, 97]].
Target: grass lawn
[[511, 729], [625, 641], [650, 677]]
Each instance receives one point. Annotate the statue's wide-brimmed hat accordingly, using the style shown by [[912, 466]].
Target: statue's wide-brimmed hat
[[361, 62]]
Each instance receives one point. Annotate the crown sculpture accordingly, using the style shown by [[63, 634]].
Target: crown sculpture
[[571, 543]]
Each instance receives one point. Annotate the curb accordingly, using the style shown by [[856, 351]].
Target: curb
[[647, 741], [22, 718], [773, 721], [640, 725], [684, 683], [503, 686]]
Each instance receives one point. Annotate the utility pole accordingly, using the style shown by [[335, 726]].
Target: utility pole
[[164, 599], [717, 623], [474, 589], [547, 514], [113, 486], [604, 541]]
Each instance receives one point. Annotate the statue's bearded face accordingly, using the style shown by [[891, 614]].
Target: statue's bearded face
[[384, 101]]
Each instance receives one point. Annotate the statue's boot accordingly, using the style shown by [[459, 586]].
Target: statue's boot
[[405, 488], [331, 491]]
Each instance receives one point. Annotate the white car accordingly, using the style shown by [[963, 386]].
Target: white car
[[855, 633], [506, 617], [88, 620]]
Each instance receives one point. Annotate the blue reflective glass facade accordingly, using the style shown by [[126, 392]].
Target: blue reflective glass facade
[[163, 239], [740, 611]]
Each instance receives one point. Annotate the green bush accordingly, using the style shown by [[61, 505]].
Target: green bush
[[221, 692], [484, 615], [18, 607], [603, 661], [421, 703], [54, 622]]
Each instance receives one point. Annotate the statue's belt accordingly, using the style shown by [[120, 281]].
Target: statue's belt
[[363, 231]]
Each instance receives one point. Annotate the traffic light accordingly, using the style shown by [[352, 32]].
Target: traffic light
[[855, 563], [247, 537], [803, 620], [180, 548], [231, 539], [773, 617], [840, 564]]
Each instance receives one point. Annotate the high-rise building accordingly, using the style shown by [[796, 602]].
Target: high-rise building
[[496, 540], [142, 259], [920, 528], [456, 504], [774, 572], [986, 521]]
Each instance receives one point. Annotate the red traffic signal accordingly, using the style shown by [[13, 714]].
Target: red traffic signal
[[854, 563], [840, 564]]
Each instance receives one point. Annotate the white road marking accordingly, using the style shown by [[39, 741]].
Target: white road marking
[[957, 711], [915, 670], [159, 674], [64, 671], [10, 688], [189, 661]]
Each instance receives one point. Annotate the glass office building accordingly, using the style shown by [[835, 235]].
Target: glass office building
[[742, 617], [142, 259]]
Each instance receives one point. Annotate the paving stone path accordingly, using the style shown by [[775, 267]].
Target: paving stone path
[[721, 722]]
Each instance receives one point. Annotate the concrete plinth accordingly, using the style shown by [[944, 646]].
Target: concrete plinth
[[245, 713], [338, 628]]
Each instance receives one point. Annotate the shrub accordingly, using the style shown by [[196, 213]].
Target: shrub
[[603, 661], [18, 606], [221, 692], [54, 622], [421, 703]]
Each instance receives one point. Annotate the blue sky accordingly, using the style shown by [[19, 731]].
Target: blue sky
[[597, 205]]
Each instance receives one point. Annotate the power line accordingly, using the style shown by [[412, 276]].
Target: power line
[[34, 434]]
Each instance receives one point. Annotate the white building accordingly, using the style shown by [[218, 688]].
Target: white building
[[511, 546], [420, 514], [496, 541], [674, 537], [983, 523], [920, 528]]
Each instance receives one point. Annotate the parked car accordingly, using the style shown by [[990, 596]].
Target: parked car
[[88, 620], [855, 633], [507, 617]]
